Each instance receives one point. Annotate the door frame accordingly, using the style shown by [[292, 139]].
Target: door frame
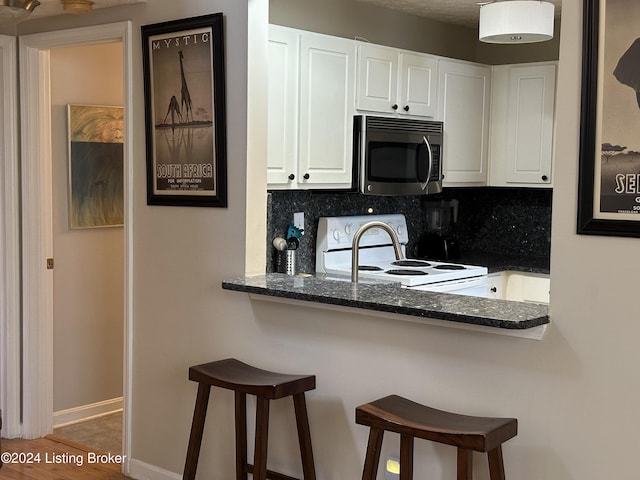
[[37, 235], [10, 348]]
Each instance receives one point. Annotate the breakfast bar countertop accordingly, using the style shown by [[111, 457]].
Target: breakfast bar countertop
[[390, 298]]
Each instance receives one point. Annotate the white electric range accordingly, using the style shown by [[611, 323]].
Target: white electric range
[[378, 261]]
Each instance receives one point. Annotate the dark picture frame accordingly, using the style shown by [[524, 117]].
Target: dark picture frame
[[185, 105], [609, 163]]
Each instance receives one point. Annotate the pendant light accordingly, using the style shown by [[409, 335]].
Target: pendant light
[[13, 9], [516, 21]]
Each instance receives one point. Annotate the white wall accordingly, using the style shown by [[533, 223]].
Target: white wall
[[89, 271], [575, 393]]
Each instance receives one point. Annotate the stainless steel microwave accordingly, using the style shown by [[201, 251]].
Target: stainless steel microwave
[[398, 156]]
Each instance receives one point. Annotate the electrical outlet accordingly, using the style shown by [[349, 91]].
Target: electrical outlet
[[392, 468]]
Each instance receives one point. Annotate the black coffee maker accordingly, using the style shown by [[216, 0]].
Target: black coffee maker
[[440, 241]]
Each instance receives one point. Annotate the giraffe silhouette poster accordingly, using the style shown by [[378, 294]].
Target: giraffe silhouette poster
[[609, 180], [185, 112]]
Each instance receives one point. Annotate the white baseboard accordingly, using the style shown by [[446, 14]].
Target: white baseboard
[[144, 471], [86, 412]]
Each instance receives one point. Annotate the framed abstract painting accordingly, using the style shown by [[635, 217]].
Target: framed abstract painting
[[96, 193]]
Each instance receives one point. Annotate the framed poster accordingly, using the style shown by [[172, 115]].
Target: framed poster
[[609, 174], [96, 172], [184, 82]]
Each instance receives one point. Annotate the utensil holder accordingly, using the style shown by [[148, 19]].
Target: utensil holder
[[291, 262]]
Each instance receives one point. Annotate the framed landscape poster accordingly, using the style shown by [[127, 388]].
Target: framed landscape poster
[[96, 172], [185, 112], [609, 178]]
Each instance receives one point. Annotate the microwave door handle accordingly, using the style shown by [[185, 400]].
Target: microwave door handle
[[428, 145]]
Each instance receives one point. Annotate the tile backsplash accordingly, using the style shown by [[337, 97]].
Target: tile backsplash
[[493, 220]]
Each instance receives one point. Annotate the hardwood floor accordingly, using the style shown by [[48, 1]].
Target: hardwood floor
[[51, 458]]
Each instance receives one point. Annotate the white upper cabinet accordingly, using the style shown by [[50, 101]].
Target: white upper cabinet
[[393, 81], [523, 124], [464, 105], [327, 107], [283, 107], [311, 109]]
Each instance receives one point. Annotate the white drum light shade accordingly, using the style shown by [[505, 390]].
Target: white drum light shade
[[516, 21]]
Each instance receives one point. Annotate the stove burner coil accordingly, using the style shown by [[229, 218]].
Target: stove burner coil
[[450, 267], [369, 268], [405, 271], [411, 263]]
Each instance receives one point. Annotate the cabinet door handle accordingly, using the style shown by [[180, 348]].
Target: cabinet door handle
[[306, 176], [394, 106], [406, 108], [292, 176], [544, 178]]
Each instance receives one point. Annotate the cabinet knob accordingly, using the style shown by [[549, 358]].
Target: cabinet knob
[[292, 176], [406, 108], [494, 289], [544, 178], [394, 106], [306, 176]]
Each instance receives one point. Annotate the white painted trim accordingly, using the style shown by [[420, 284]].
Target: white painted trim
[[37, 305], [37, 236], [144, 471], [10, 341], [82, 413]]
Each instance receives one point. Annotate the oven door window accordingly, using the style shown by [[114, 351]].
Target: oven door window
[[397, 162]]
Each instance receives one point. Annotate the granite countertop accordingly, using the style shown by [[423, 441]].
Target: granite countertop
[[391, 298], [501, 262]]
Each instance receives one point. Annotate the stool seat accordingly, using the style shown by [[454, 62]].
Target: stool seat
[[413, 420], [397, 414], [235, 375], [243, 380]]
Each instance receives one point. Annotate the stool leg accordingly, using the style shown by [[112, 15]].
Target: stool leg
[[373, 454], [241, 435], [496, 465], [465, 464], [406, 457], [197, 428], [262, 435], [304, 436]]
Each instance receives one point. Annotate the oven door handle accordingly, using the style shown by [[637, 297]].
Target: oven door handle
[[423, 186]]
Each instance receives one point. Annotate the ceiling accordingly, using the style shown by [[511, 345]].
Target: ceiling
[[458, 12], [49, 8]]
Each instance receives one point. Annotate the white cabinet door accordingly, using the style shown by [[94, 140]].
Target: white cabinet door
[[530, 124], [393, 81], [327, 107], [283, 107], [464, 101], [417, 84], [377, 79], [522, 125]]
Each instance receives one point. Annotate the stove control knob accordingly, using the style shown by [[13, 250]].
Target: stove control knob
[[347, 229], [336, 235], [399, 230]]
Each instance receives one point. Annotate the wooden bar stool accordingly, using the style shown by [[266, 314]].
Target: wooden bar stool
[[411, 420], [244, 379]]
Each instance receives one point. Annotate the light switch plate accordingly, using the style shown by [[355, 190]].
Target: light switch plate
[[298, 220]]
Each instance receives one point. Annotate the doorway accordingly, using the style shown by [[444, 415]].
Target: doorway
[[88, 243], [37, 245]]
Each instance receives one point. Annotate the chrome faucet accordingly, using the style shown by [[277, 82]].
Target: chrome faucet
[[355, 253]]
